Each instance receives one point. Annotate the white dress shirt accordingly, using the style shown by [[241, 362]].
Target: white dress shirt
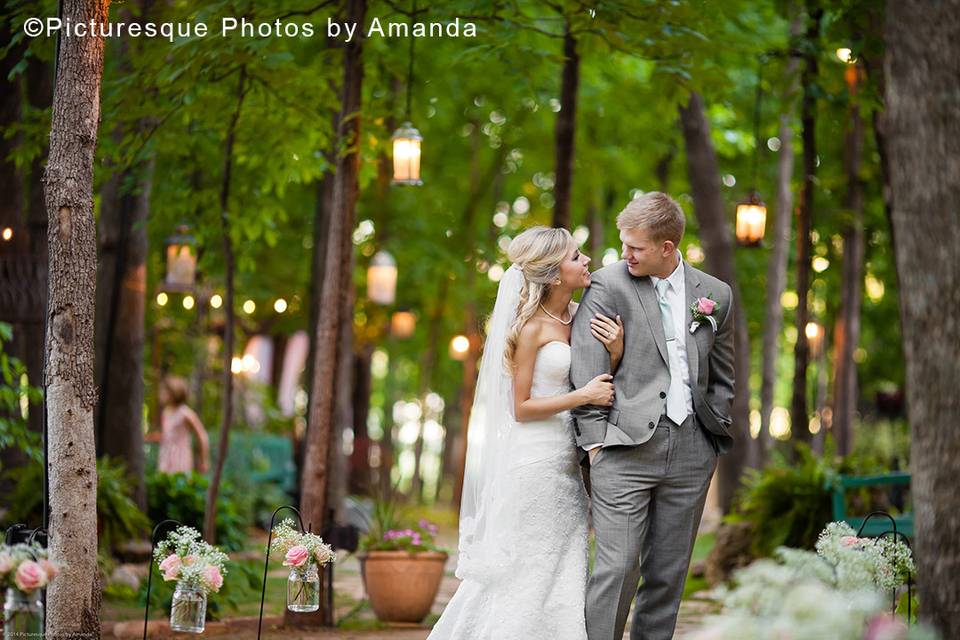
[[677, 349]]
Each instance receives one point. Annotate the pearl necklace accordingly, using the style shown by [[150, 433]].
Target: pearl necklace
[[555, 317]]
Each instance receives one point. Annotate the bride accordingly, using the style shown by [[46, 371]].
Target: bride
[[523, 517]]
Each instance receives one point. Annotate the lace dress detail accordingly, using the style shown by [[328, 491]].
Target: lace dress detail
[[537, 588]]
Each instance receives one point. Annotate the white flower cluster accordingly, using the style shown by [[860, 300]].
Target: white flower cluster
[[185, 557], [835, 593], [859, 562], [300, 547]]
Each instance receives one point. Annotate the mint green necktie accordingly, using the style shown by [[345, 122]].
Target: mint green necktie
[[676, 408]]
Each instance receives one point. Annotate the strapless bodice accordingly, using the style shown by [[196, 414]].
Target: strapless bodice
[[551, 370]]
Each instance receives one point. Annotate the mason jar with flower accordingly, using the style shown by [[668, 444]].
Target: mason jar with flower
[[305, 553], [25, 571], [198, 569]]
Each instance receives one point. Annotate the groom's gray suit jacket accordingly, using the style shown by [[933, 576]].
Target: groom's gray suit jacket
[[643, 376]]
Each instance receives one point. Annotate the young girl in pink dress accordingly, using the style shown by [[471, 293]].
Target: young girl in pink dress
[[177, 421]]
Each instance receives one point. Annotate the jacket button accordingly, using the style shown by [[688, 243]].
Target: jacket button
[[663, 394], [651, 425]]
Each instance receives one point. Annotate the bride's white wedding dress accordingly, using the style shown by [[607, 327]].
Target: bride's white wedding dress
[[536, 587]]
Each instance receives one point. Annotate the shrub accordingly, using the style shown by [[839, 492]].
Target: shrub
[[182, 497], [787, 503]]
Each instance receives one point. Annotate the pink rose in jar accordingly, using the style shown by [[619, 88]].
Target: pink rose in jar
[[171, 567], [706, 306], [296, 556], [189, 559], [848, 541], [212, 577], [885, 627], [6, 563], [30, 576]]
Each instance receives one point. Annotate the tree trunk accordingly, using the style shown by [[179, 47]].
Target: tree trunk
[[121, 298], [847, 331], [779, 256], [333, 293], [73, 599], [360, 458], [922, 67], [799, 414], [566, 129], [226, 419], [703, 173]]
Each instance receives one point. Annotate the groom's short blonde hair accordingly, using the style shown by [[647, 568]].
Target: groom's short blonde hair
[[656, 213]]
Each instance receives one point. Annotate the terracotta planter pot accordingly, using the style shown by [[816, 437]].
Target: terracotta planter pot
[[402, 585]]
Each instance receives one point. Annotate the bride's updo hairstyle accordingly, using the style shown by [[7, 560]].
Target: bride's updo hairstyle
[[538, 253]]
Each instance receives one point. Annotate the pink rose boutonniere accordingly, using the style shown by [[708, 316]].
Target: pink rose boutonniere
[[702, 310]]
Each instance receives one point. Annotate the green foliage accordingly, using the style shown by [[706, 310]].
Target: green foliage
[[390, 533], [118, 517], [787, 503], [182, 497], [13, 425]]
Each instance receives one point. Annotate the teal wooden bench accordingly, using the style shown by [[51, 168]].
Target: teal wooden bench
[[877, 526]]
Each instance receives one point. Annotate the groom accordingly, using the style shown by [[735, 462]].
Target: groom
[[653, 453]]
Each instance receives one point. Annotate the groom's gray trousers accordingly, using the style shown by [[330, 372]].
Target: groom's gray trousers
[[647, 501]]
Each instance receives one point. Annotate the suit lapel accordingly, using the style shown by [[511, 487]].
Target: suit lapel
[[691, 283], [651, 309]]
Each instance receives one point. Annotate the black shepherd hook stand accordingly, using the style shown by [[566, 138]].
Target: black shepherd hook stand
[[266, 562], [153, 544], [896, 535]]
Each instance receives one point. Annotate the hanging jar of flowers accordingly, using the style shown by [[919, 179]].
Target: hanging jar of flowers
[[305, 554], [198, 568], [25, 572]]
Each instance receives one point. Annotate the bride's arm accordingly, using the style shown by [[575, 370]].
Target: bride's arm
[[527, 409]]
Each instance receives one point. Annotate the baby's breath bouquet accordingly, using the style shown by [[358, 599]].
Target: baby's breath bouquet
[[834, 593], [25, 567], [863, 562], [300, 549], [185, 557]]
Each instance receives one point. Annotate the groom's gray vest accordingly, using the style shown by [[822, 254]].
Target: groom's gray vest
[[643, 377]]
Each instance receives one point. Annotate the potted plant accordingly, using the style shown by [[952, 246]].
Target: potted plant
[[198, 568], [401, 567], [25, 572], [304, 553]]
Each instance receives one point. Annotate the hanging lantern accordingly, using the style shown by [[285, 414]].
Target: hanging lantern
[[815, 333], [406, 155], [382, 278], [460, 347], [181, 260], [751, 221], [403, 323]]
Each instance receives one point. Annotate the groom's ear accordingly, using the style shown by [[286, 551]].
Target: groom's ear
[[669, 248]]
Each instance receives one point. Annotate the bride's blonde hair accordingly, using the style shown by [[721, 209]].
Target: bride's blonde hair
[[538, 253]]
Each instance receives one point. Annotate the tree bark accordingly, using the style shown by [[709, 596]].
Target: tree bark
[[333, 293], [226, 419], [566, 130], [73, 599], [779, 255], [360, 458], [799, 414], [704, 175], [847, 331], [922, 67]]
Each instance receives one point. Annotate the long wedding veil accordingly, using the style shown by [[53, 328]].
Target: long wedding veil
[[491, 421]]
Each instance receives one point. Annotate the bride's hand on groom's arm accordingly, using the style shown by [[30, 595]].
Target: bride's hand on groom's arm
[[610, 333], [598, 391]]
